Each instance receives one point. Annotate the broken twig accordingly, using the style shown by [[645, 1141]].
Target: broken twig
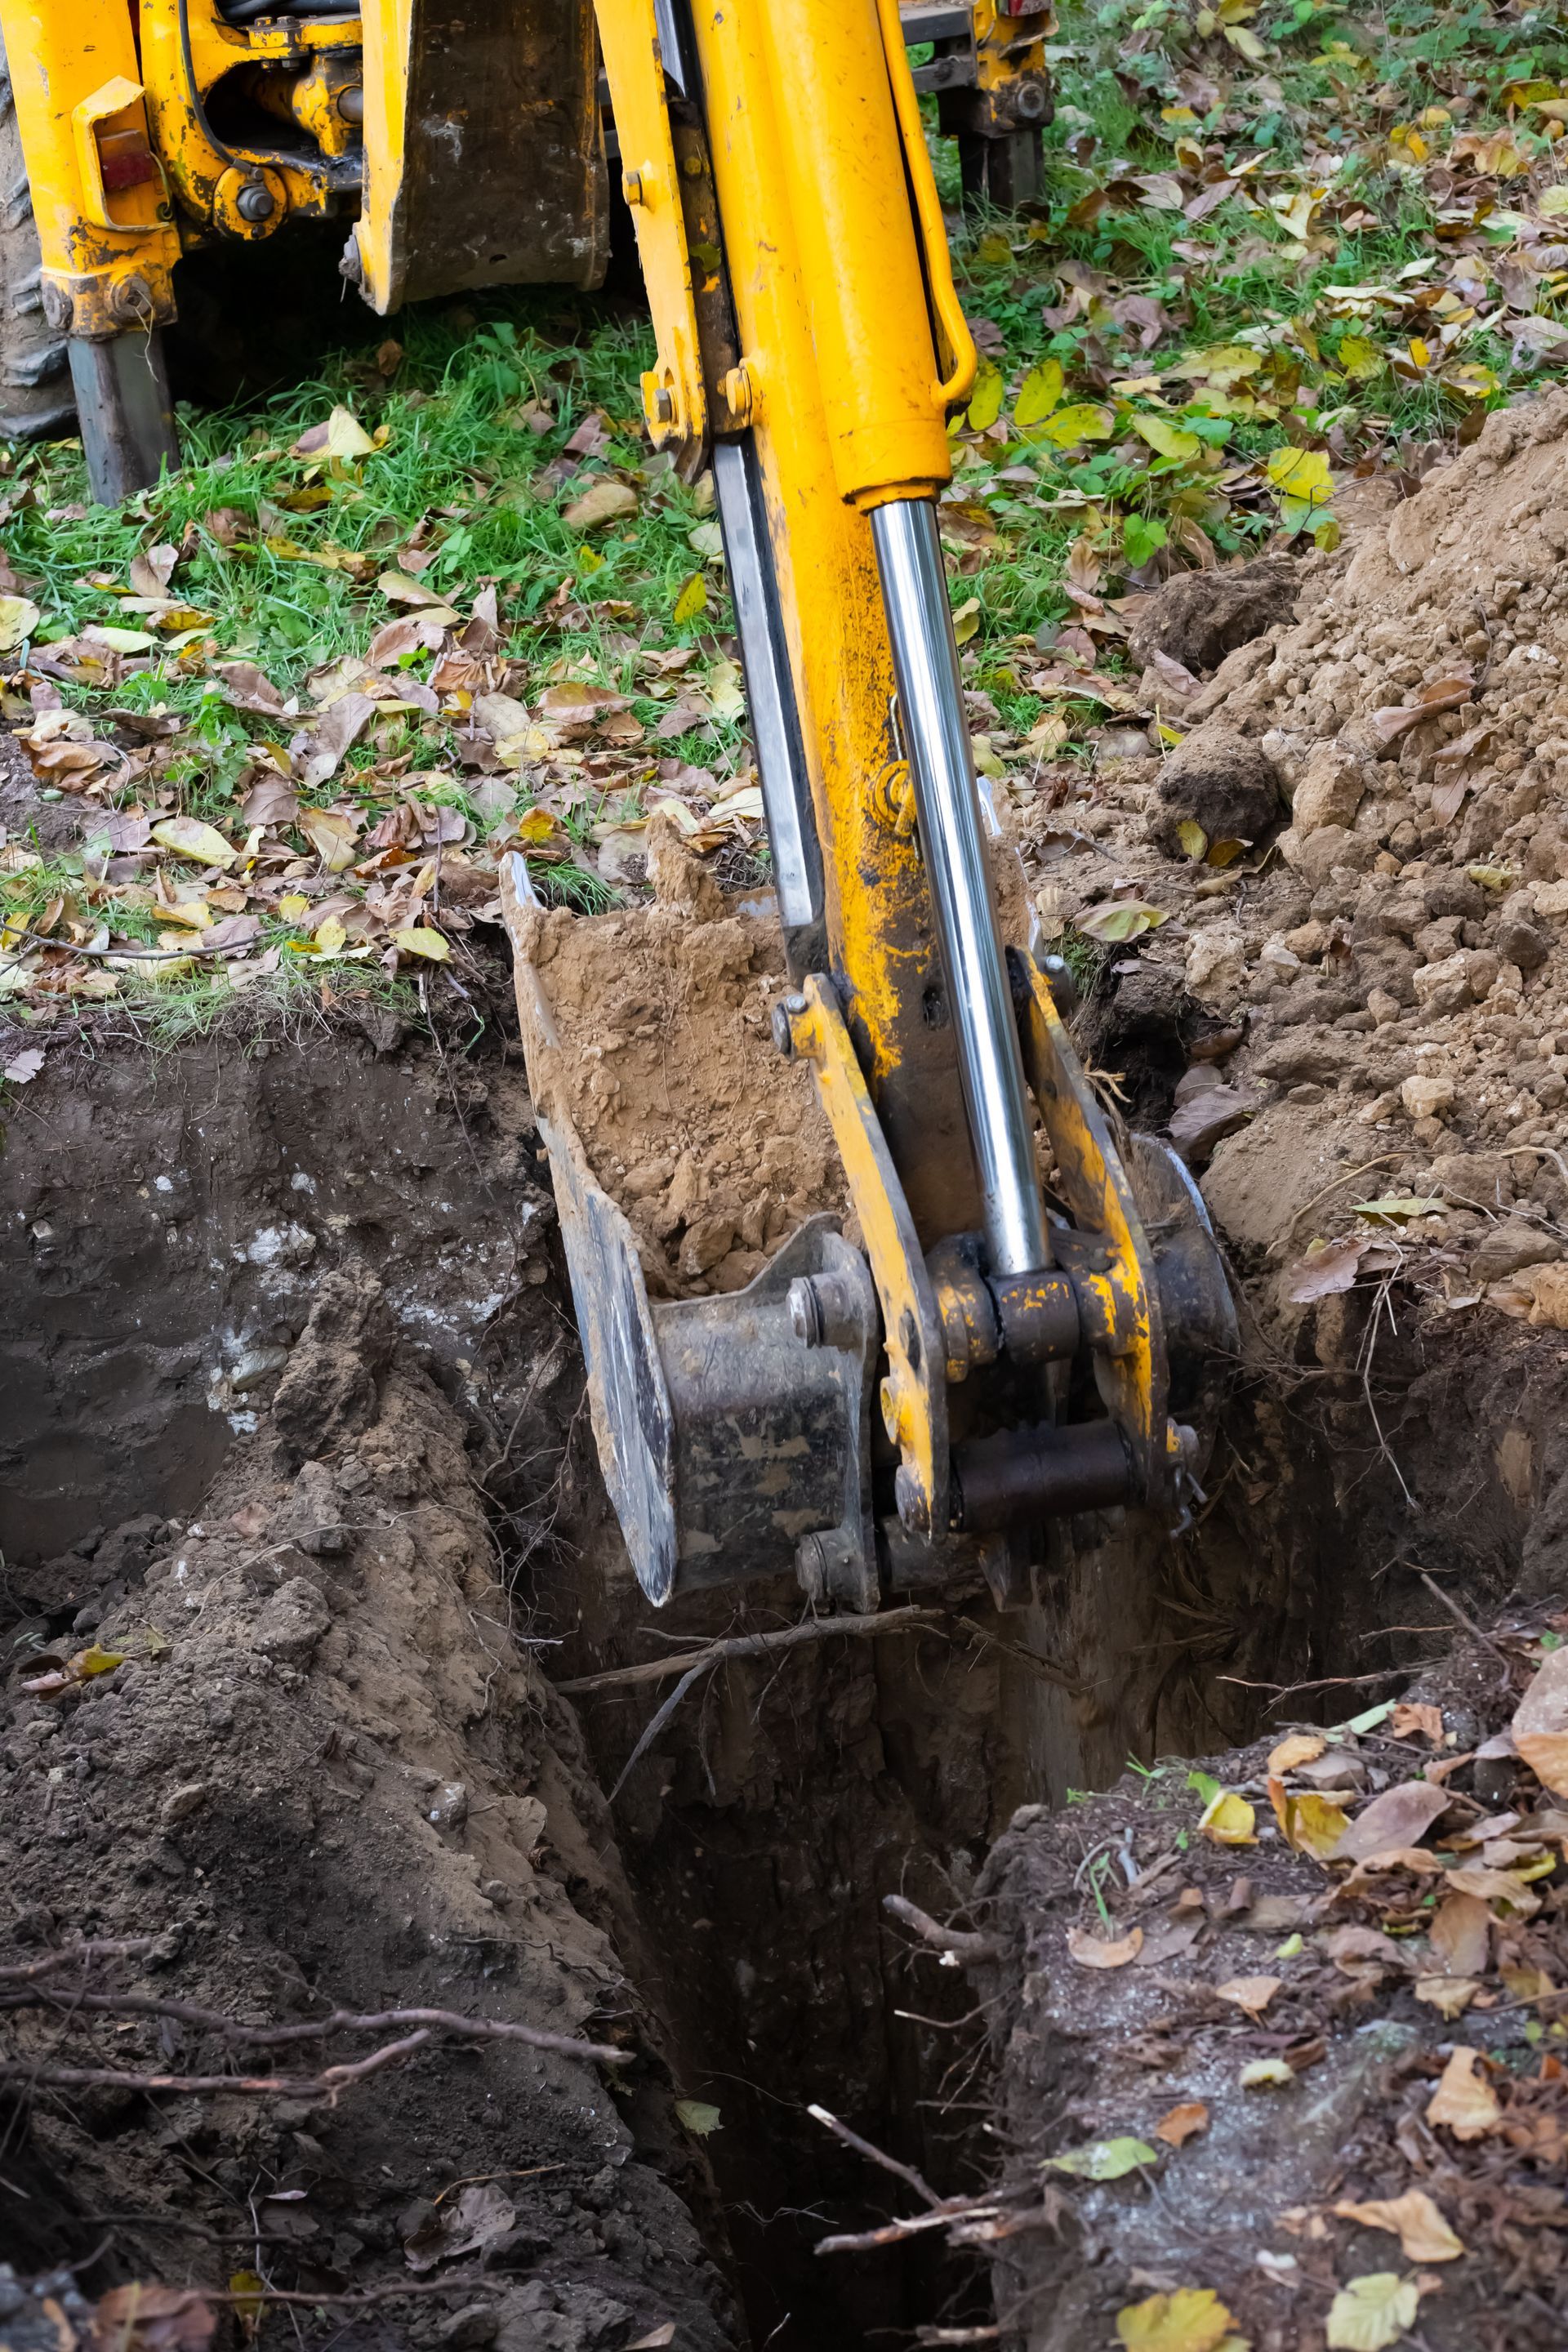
[[958, 1941]]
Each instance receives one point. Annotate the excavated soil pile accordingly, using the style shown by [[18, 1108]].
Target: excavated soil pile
[[713, 1146], [1390, 940], [1284, 2100], [294, 1757]]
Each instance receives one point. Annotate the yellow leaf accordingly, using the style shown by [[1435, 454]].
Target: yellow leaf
[[1301, 473], [1193, 837], [1037, 396], [330, 937], [1369, 2314], [697, 2116], [18, 619], [1359, 358], [1300, 1747], [1463, 2099], [1247, 42], [1084, 421], [1312, 1824], [1424, 2235], [249, 2292], [985, 400], [1193, 2319], [292, 905], [421, 942], [331, 838], [1229, 1820], [120, 641], [94, 1660], [966, 620], [1553, 203], [1265, 2074], [1420, 353], [692, 599], [190, 911], [1166, 440], [187, 836]]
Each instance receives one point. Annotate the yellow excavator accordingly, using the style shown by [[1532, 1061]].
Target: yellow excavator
[[1017, 1331]]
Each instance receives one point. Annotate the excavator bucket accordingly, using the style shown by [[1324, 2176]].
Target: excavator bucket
[[863, 1278]]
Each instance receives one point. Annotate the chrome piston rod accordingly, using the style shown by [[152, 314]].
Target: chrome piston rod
[[936, 738]]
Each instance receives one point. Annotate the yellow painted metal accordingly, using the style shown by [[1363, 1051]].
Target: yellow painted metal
[[840, 199], [385, 26], [675, 401], [962, 360], [106, 252], [206, 173], [914, 1390], [1006, 47], [1119, 1298], [877, 909]]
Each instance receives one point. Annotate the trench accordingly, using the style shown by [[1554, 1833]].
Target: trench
[[171, 1220]]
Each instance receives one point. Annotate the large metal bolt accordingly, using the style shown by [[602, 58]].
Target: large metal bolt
[[256, 201], [1029, 100], [805, 1312], [785, 1013], [663, 405], [914, 1511]]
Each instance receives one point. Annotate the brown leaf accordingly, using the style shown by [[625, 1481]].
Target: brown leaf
[[316, 755], [1399, 1817], [1540, 1724], [1464, 2100], [411, 633], [234, 931], [604, 502], [1089, 1952], [228, 526], [1449, 1996], [483, 636], [1324, 1272], [145, 2318], [152, 570], [1406, 1721], [1251, 1993], [248, 689], [1495, 1886], [1443, 694], [1423, 2236], [1183, 2124], [270, 800]]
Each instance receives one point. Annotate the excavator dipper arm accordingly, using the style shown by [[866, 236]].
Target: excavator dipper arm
[[810, 343]]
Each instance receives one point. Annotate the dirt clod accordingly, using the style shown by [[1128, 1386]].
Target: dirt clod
[[1221, 782], [1197, 619]]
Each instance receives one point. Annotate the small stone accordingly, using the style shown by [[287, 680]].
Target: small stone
[[1509, 1248], [1382, 1007], [464, 2331], [496, 1891], [1427, 1097], [450, 1807], [1329, 791], [181, 1802], [1305, 1094]]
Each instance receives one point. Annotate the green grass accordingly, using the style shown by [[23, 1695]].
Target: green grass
[[461, 479]]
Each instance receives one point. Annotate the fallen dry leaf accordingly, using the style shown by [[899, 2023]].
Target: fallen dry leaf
[[1193, 2319], [1540, 1724], [1251, 1993], [1408, 1720], [1400, 1817], [1460, 1934], [1090, 1952], [1449, 1996], [1183, 2123], [187, 836], [1371, 2313], [1229, 1820], [1324, 1272], [1424, 2235], [146, 2317], [1463, 2099], [1310, 1824], [604, 502], [1300, 1747]]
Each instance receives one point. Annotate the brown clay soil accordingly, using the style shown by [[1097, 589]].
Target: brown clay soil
[[714, 1148], [295, 1433]]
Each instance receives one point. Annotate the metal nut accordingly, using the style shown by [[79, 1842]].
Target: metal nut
[[914, 1511], [256, 201]]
